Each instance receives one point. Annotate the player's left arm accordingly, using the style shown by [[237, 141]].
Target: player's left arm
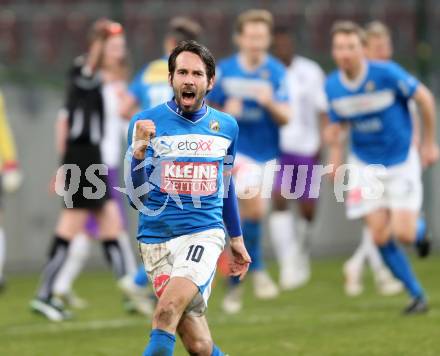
[[409, 87], [231, 217], [429, 150]]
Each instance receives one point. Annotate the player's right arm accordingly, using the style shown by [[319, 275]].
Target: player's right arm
[[140, 133], [335, 134], [335, 137]]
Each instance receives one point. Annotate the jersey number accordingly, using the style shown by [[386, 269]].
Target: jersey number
[[195, 253]]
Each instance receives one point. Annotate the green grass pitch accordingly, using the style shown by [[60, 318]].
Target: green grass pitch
[[315, 320]]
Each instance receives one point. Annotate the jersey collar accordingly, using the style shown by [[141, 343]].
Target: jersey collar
[[354, 84], [191, 116], [242, 65]]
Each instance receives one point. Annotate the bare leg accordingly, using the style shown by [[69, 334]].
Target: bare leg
[[195, 335], [177, 295]]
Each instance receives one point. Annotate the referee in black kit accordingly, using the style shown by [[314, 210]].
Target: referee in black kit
[[82, 179]]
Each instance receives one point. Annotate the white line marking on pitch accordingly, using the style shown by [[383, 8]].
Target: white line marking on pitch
[[49, 327], [73, 326]]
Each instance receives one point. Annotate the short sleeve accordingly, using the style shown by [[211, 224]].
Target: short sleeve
[[403, 82]]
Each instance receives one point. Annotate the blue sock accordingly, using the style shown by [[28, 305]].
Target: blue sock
[[252, 241], [161, 343], [398, 263], [216, 351], [421, 229], [141, 279], [234, 281]]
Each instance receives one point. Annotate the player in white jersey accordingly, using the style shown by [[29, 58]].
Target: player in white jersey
[[300, 143], [378, 46]]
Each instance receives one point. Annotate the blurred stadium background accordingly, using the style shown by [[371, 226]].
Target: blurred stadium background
[[39, 38]]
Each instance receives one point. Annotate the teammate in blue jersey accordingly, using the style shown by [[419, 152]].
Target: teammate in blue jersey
[[371, 98], [378, 46], [148, 89], [181, 154], [251, 87]]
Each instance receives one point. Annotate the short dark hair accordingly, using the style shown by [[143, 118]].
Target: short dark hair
[[196, 48]]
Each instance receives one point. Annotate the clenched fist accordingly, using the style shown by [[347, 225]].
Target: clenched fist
[[143, 131]]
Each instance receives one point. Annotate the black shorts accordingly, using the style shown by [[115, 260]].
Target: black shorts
[[84, 156]]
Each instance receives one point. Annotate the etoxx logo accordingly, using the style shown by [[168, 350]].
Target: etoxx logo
[[195, 146]]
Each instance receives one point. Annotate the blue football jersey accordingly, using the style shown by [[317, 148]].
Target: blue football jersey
[[376, 109], [259, 133], [184, 164], [150, 86]]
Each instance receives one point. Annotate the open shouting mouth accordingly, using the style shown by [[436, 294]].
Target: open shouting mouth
[[188, 97]]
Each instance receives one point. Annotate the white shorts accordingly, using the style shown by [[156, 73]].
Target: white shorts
[[254, 178], [395, 187], [191, 256]]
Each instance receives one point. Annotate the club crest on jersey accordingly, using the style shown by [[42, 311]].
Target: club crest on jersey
[[214, 125], [370, 86]]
